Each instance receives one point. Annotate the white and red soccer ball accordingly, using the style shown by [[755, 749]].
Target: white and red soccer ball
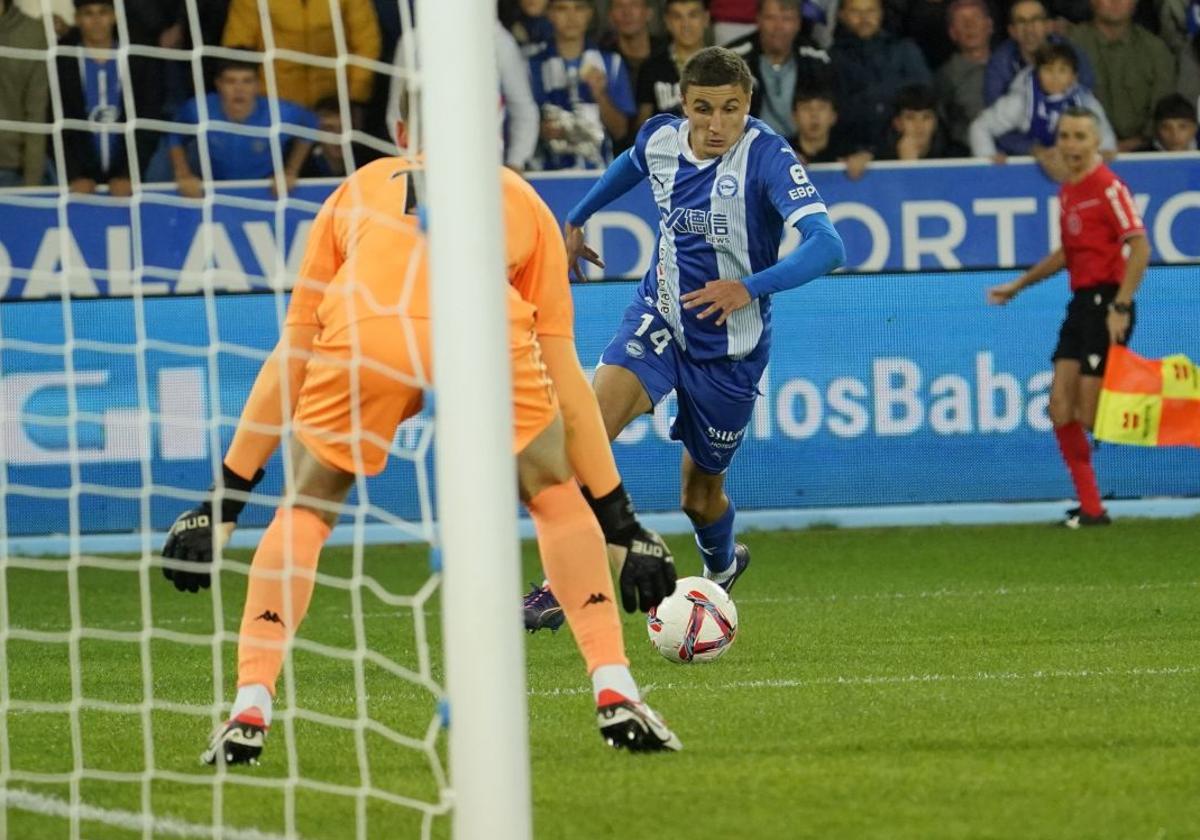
[[697, 623]]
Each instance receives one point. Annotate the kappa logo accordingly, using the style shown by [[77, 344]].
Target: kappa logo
[[727, 186], [273, 617], [595, 598]]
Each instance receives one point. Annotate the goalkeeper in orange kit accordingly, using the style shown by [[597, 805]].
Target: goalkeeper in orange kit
[[353, 360]]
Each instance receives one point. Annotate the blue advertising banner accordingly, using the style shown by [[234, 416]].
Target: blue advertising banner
[[882, 389], [897, 217]]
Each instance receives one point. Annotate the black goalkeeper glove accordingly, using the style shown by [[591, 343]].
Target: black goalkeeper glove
[[647, 573], [191, 537]]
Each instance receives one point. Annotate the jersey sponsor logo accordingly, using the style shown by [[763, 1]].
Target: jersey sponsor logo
[[714, 227], [727, 186], [635, 348]]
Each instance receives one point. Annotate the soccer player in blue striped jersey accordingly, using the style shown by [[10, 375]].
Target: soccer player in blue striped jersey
[[726, 186]]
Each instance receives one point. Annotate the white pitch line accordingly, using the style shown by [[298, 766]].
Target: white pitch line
[[894, 679], [51, 806]]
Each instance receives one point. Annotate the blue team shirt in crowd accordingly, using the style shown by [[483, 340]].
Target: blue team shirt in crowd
[[556, 81], [235, 156], [105, 108], [720, 218]]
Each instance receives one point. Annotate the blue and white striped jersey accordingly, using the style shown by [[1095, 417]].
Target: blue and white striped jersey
[[721, 218]]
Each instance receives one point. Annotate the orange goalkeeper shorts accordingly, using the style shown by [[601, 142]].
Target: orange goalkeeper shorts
[[366, 379]]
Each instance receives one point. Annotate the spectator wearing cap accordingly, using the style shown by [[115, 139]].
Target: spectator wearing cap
[[24, 97], [1175, 128], [308, 26], [658, 83], [959, 82], [236, 126], [871, 65], [783, 60], [1134, 69], [584, 93], [95, 87]]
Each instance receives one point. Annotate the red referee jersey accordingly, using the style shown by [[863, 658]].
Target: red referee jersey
[[1096, 216]]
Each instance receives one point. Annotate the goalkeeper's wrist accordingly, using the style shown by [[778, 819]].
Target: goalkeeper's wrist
[[614, 511], [231, 508]]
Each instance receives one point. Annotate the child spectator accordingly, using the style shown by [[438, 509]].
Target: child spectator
[[244, 153], [1038, 97], [584, 93], [815, 116], [92, 83], [916, 132], [1175, 128]]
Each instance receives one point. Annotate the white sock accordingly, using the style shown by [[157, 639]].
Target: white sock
[[615, 678], [253, 696], [721, 576]]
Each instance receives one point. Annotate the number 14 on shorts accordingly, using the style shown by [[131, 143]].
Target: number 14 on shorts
[[659, 339]]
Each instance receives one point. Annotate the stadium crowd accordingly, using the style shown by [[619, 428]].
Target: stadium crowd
[[846, 80]]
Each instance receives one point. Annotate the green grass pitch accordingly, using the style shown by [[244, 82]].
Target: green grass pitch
[[1000, 682]]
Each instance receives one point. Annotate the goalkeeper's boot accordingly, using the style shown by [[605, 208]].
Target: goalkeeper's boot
[[542, 609], [238, 740], [741, 562], [632, 725]]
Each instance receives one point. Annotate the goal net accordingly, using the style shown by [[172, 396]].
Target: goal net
[[155, 293]]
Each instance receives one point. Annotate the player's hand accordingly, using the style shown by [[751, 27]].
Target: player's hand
[[1002, 294], [596, 81], [192, 539], [646, 571], [577, 248], [723, 298], [82, 185], [190, 187], [856, 164], [289, 184], [1118, 326]]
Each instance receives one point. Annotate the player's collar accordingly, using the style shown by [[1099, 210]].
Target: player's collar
[[685, 145]]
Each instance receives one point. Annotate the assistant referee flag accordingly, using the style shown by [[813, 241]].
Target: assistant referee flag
[[1149, 402]]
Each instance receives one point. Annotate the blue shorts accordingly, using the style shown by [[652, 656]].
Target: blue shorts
[[716, 398]]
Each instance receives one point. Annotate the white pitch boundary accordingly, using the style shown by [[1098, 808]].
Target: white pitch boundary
[[785, 519], [895, 679], [50, 806]]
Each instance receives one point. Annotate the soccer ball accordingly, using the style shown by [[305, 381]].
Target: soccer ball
[[697, 623]]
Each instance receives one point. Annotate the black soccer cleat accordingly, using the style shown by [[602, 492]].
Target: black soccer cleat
[[1077, 519], [629, 725], [542, 609], [741, 562], [237, 741]]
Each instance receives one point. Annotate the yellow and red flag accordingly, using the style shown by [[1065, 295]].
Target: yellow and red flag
[[1149, 402]]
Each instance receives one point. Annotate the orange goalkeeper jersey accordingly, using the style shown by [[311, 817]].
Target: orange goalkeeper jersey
[[366, 258]]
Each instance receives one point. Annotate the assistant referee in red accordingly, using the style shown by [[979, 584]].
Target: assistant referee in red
[[1105, 251]]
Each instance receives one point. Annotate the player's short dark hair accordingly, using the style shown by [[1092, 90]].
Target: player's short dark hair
[[1056, 53], [823, 93], [714, 67], [914, 98], [1174, 107], [245, 60], [1080, 111]]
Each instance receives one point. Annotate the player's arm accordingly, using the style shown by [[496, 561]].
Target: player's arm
[[273, 395], [1047, 266], [621, 176], [643, 563], [1129, 229]]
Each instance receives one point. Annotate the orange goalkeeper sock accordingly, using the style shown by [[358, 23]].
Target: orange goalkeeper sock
[[576, 564], [282, 576]]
